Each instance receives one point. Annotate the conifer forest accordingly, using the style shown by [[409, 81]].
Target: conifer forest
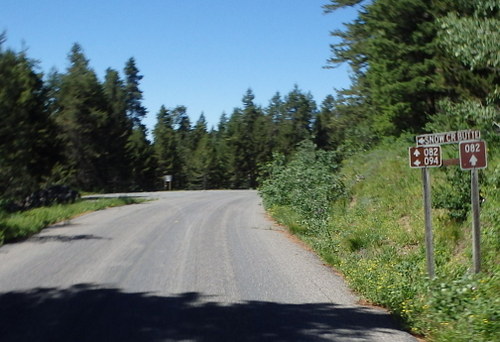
[[411, 62]]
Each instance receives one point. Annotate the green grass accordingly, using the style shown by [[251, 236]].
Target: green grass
[[21, 225], [375, 237]]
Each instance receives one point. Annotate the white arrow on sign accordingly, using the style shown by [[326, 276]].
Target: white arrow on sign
[[416, 153], [473, 160], [417, 162], [421, 141]]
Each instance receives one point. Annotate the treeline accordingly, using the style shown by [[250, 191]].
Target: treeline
[[72, 128], [407, 56], [232, 154]]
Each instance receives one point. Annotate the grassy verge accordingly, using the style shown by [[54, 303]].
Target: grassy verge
[[375, 236], [21, 225]]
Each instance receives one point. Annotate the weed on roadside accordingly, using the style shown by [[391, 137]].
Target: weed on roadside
[[21, 225]]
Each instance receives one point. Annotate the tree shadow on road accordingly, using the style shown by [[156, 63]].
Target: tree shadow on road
[[89, 313]]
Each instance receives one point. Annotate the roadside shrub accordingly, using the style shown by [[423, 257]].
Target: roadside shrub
[[374, 235], [307, 183]]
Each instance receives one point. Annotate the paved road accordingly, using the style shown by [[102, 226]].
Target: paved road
[[190, 266]]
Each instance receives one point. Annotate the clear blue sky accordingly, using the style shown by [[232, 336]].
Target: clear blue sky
[[203, 54]]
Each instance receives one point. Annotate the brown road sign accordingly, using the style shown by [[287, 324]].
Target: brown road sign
[[473, 155], [425, 156]]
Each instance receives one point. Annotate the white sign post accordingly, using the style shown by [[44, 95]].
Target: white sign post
[[168, 181]]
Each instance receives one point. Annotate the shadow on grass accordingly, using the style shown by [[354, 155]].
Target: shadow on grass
[[128, 198], [89, 313]]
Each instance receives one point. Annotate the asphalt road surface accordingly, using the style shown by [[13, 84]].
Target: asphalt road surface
[[189, 266]]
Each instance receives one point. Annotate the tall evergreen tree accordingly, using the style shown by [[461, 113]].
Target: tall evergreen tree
[[199, 156], [244, 142], [402, 75], [164, 142], [28, 148], [218, 156], [400, 69], [135, 110], [296, 125], [81, 115], [282, 124], [275, 109], [144, 167], [183, 146], [263, 132], [235, 147], [199, 131], [141, 152], [119, 130], [324, 125]]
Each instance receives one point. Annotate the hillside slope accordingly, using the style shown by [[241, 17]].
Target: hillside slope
[[374, 236]]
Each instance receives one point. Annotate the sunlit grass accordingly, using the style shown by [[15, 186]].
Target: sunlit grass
[[23, 224], [375, 238]]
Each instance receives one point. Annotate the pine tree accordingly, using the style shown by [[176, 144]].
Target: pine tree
[[219, 157], [28, 149], [325, 135], [183, 146], [400, 69], [244, 142], [119, 130], [81, 115], [199, 131], [198, 157], [135, 110], [296, 126], [141, 152], [275, 109], [263, 132], [164, 142], [236, 147], [282, 124], [144, 167]]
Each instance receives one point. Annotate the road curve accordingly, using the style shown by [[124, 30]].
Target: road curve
[[189, 266]]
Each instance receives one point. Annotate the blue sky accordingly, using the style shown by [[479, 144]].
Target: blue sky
[[198, 53]]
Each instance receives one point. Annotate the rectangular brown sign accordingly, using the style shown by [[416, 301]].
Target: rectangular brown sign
[[425, 156], [473, 155]]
